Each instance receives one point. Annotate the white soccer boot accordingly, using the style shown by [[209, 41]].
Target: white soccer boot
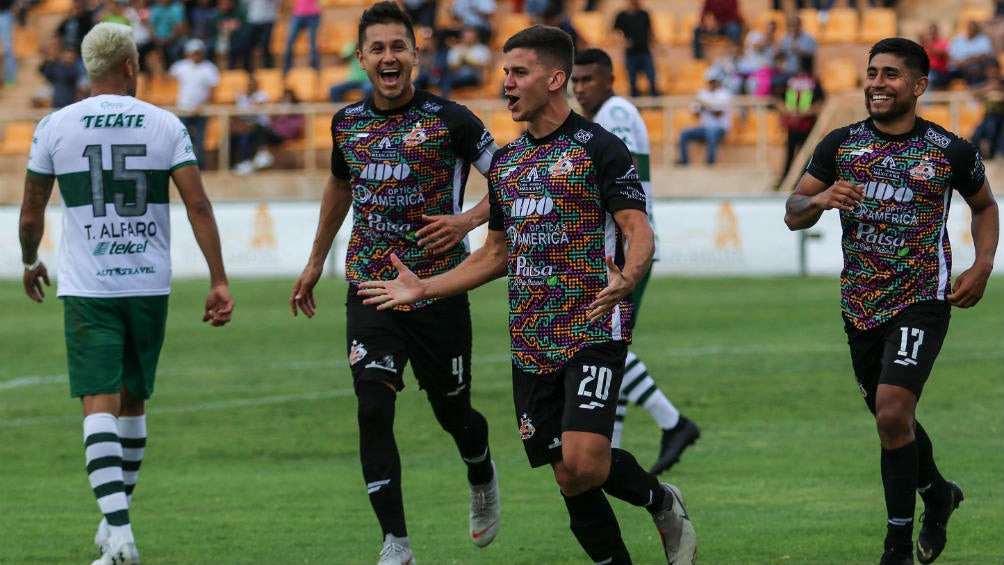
[[486, 510]]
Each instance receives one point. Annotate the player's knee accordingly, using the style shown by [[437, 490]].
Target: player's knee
[[893, 425], [375, 401]]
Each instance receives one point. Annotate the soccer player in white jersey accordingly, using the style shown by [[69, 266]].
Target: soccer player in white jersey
[[593, 87], [114, 157]]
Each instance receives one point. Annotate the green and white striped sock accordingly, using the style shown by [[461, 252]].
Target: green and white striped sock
[[103, 452]]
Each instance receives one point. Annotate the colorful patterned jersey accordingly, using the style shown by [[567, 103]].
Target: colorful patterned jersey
[[554, 198], [112, 157], [895, 243], [402, 164]]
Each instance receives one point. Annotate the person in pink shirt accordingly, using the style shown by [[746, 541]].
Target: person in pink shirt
[[937, 51], [306, 17]]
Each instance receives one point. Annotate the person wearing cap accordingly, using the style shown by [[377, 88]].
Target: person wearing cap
[[196, 78], [714, 107]]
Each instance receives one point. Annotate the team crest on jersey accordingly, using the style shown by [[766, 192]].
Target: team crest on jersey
[[384, 150], [562, 167], [859, 129], [526, 429], [922, 171], [582, 136], [357, 352], [888, 169], [416, 136]]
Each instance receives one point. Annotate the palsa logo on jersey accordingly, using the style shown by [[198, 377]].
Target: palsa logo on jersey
[[526, 429]]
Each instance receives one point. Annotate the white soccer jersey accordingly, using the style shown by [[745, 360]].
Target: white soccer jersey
[[620, 117], [112, 157]]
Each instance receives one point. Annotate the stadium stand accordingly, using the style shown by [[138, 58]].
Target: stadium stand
[[17, 137], [305, 82], [841, 27], [878, 23]]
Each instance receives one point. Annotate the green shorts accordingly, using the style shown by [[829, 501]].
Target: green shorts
[[112, 342]]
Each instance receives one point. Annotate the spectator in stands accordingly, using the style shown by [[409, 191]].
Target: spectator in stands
[[357, 78], [798, 106], [989, 133], [718, 18], [261, 16], [138, 14], [306, 16], [423, 15], [797, 45], [937, 51], [72, 29], [7, 8], [969, 54], [727, 67], [114, 12], [231, 34], [196, 78], [63, 73], [244, 127], [477, 14], [202, 25], [555, 15], [271, 133], [169, 25], [714, 106], [759, 49], [635, 27], [466, 63]]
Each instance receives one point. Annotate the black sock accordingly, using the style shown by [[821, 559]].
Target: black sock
[[469, 431], [632, 484], [899, 478], [930, 483], [378, 452], [594, 524]]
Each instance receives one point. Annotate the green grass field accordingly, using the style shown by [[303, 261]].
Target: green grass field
[[252, 457]]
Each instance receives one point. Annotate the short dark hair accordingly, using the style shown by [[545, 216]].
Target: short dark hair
[[914, 56], [595, 57], [386, 12], [550, 43]]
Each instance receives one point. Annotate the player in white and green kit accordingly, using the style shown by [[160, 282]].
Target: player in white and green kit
[[593, 87], [114, 157]]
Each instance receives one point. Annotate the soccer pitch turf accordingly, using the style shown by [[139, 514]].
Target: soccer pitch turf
[[252, 456]]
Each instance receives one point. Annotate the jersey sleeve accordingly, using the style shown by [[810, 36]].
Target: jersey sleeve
[[496, 217], [339, 167], [471, 139], [619, 183], [184, 153], [39, 156], [968, 172], [823, 165]]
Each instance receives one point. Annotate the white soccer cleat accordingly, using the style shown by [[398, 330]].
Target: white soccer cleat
[[394, 553], [486, 510], [263, 160], [675, 529], [119, 553]]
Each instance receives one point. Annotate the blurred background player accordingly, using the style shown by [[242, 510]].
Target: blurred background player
[[401, 160], [115, 304], [593, 87]]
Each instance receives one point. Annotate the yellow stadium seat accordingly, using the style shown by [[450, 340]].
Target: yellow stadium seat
[[305, 82], [25, 42], [877, 23], [211, 142], [682, 119], [839, 74], [690, 77], [685, 31], [749, 128], [270, 80], [334, 35], [979, 14], [655, 123], [17, 136], [940, 114], [232, 83], [841, 27], [159, 90], [776, 16], [970, 116], [594, 27], [509, 25], [810, 21], [664, 27]]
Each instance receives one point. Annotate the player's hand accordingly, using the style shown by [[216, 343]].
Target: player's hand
[[219, 306], [302, 297], [969, 287], [842, 195], [405, 289], [442, 233], [33, 280], [617, 288]]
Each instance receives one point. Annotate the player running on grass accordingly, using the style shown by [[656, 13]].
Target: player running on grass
[[401, 159]]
